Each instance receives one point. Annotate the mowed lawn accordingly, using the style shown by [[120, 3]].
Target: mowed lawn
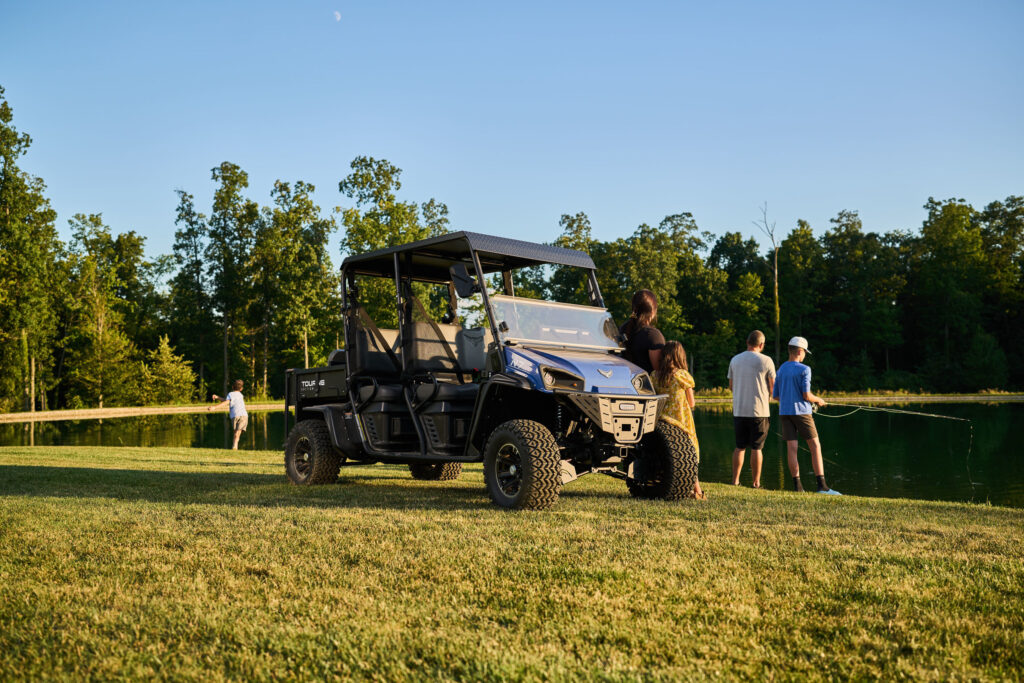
[[206, 564]]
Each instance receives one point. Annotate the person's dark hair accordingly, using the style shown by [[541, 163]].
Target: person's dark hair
[[673, 357], [755, 338], [794, 349], [237, 385], [645, 312]]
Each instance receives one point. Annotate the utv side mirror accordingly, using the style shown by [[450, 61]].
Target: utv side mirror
[[465, 285]]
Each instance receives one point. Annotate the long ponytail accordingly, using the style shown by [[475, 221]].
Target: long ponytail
[[645, 312]]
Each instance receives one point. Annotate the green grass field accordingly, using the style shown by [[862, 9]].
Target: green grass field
[[187, 563]]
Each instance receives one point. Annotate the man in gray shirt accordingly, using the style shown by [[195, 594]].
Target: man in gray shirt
[[751, 379]]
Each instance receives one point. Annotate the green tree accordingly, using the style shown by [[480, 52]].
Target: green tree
[[293, 275], [231, 226], [168, 378], [28, 252], [800, 258], [191, 319], [858, 324], [1002, 234], [103, 369], [611, 259], [379, 220], [945, 311], [736, 256], [568, 284]]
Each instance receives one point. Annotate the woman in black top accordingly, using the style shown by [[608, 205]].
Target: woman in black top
[[644, 341]]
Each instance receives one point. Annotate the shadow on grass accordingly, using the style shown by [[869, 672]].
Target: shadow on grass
[[236, 489]]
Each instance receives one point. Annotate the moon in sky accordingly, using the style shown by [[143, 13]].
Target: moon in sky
[[337, 16]]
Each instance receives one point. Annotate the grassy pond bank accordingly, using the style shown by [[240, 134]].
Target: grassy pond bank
[[197, 563]]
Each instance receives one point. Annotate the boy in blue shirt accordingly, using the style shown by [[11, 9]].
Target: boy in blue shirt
[[796, 401]]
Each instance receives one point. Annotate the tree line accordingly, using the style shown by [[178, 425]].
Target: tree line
[[250, 289]]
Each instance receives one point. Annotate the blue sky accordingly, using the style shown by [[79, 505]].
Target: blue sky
[[515, 113]]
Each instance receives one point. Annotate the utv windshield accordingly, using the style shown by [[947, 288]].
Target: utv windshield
[[545, 322]]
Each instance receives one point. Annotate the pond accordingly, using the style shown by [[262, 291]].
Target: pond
[[866, 454]]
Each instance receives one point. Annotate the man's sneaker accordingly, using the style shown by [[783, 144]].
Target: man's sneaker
[[830, 492]]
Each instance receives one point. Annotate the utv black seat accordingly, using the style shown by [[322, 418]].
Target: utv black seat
[[384, 392], [445, 391]]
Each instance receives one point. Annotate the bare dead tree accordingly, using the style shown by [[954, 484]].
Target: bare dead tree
[[769, 229]]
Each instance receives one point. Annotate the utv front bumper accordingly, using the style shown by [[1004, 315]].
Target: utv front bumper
[[626, 418]]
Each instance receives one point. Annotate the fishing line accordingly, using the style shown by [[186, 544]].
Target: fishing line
[[879, 409]]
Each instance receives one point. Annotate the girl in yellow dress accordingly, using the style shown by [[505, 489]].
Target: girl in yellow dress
[[672, 377]]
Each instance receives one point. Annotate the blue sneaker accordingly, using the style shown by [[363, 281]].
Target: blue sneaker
[[830, 492]]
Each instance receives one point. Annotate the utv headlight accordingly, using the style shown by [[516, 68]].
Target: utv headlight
[[642, 383], [560, 379]]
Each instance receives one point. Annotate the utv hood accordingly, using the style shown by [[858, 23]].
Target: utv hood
[[602, 373]]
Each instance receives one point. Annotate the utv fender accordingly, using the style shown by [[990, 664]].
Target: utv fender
[[340, 428], [505, 397]]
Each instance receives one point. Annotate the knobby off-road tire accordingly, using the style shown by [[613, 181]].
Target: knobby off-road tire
[[435, 471], [523, 466], [665, 465], [309, 455]]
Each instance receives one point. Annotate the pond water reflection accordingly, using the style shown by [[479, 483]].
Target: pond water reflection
[[866, 454]]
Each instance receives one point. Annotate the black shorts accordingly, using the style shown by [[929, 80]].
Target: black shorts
[[751, 431], [802, 426]]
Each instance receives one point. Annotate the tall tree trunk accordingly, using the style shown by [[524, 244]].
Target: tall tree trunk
[[100, 329], [778, 342], [227, 370], [58, 375], [266, 347], [32, 385], [252, 356], [305, 346], [25, 372]]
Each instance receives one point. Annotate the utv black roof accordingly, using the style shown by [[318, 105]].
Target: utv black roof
[[430, 259]]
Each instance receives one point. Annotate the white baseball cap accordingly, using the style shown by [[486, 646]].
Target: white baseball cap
[[799, 342]]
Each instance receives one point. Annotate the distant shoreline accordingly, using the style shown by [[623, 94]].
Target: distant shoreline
[[725, 399], [125, 411]]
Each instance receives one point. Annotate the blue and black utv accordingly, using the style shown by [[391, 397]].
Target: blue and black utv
[[540, 392]]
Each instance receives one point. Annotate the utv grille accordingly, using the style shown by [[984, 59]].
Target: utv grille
[[626, 418]]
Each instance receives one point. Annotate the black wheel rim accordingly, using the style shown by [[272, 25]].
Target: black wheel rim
[[508, 470], [303, 457]]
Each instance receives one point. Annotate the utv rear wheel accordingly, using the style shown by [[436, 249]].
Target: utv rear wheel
[[435, 471], [522, 466], [309, 456], [665, 466]]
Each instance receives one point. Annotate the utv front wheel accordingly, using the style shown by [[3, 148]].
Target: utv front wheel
[[522, 466], [665, 465], [309, 456], [435, 471]]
